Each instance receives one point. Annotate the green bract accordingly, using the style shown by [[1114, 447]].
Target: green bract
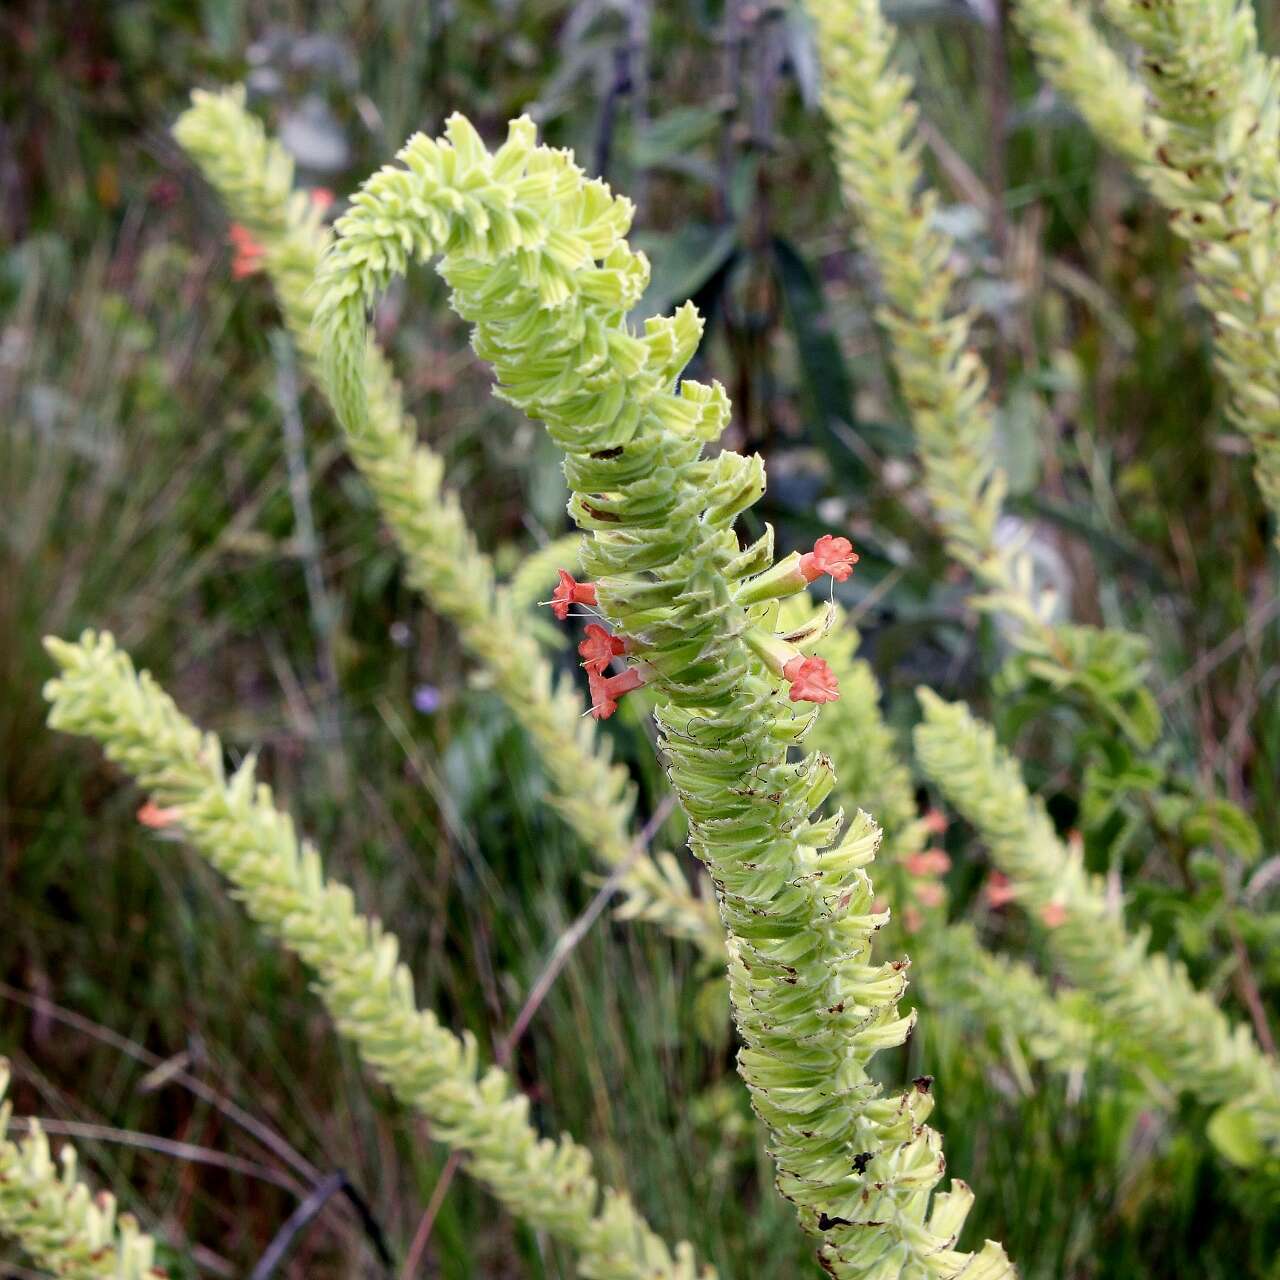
[[1204, 144], [62, 1225], [1217, 106], [956, 971], [536, 258], [1082, 66]]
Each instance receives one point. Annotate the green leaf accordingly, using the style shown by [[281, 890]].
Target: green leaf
[[667, 141], [827, 387], [1233, 1131], [684, 261], [1222, 825]]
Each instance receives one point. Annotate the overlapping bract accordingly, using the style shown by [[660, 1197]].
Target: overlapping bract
[[1080, 64], [1204, 144], [61, 1225], [254, 175], [1217, 110], [537, 261], [877, 151], [955, 970], [365, 987], [1146, 998]]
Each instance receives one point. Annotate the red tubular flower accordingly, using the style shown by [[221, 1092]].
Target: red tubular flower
[[569, 592], [1053, 914], [606, 690], [321, 198], [998, 891], [934, 822], [832, 555], [152, 815], [929, 862], [811, 680], [600, 648], [248, 255], [929, 893]]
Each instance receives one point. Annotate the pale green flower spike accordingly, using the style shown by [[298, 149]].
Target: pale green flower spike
[[1080, 64], [254, 175], [537, 260], [956, 971], [63, 1226], [877, 151], [1147, 999], [1216, 114], [1204, 144], [234, 824]]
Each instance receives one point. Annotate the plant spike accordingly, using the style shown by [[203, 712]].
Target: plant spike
[[537, 262], [877, 151], [1088, 73], [368, 991], [1146, 998], [61, 1225], [957, 972], [1212, 161], [254, 175]]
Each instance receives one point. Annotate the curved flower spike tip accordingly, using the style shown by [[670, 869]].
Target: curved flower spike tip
[[600, 648], [811, 680], [830, 554], [570, 592], [606, 690], [248, 252]]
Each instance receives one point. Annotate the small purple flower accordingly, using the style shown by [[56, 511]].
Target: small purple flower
[[426, 699]]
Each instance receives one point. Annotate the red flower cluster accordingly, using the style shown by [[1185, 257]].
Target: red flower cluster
[[606, 690], [598, 650], [153, 816], [811, 679], [248, 252], [998, 891], [929, 862]]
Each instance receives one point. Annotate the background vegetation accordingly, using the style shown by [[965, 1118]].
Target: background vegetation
[[153, 481]]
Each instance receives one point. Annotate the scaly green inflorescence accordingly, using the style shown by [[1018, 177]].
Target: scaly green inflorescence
[[944, 381], [367, 990], [1146, 998], [1217, 107], [1084, 68], [254, 175], [958, 974], [61, 1225], [537, 261], [1207, 153]]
